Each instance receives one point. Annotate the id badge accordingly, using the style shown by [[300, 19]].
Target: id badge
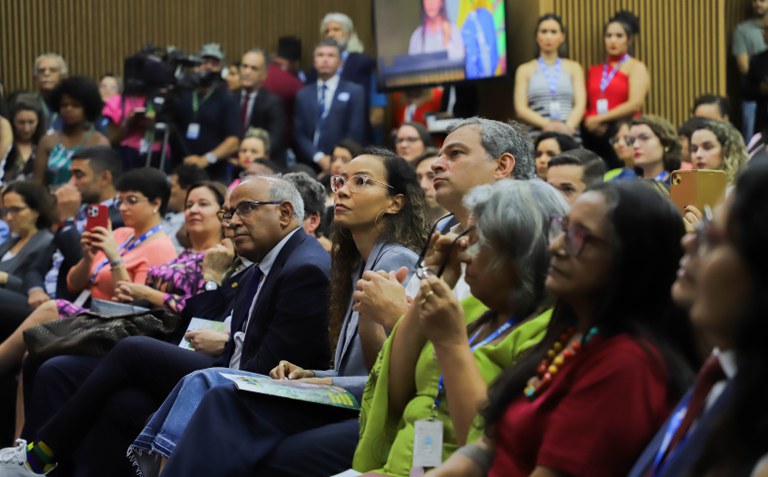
[[143, 146], [554, 110], [602, 106], [193, 131], [428, 443]]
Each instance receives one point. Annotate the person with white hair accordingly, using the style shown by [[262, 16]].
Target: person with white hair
[[50, 69]]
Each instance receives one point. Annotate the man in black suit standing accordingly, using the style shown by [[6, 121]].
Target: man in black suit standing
[[327, 111], [258, 107]]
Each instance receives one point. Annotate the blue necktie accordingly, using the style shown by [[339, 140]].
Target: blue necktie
[[321, 104], [240, 314]]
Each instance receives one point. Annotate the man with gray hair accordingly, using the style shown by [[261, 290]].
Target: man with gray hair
[[479, 151], [50, 69], [313, 195]]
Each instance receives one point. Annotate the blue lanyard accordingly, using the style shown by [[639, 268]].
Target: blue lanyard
[[607, 77], [662, 177], [498, 332], [672, 427], [126, 247], [553, 79]]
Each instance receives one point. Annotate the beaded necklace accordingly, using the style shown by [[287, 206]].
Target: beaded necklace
[[556, 357]]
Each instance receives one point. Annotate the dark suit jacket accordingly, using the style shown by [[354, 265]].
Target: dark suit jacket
[[268, 113], [689, 451], [18, 266], [344, 120], [67, 241], [758, 71], [290, 318]]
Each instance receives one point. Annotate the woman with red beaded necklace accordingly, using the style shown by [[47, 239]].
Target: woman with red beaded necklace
[[588, 398]]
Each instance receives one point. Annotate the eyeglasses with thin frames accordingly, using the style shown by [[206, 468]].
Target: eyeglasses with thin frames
[[355, 183], [130, 200], [12, 210]]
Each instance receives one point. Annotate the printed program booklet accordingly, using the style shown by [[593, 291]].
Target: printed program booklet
[[202, 324], [302, 391]]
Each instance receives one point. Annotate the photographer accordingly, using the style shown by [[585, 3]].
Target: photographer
[[207, 119]]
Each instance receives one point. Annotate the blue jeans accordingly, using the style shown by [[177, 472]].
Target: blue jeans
[[167, 424]]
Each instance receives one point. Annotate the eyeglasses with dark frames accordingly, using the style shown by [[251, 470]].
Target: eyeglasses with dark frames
[[243, 210]]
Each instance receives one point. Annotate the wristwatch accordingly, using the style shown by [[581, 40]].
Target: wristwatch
[[210, 285], [211, 158]]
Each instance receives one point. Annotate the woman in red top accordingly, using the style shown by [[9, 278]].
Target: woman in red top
[[617, 88], [589, 397]]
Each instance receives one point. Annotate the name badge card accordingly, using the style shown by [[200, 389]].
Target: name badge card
[[428, 443], [554, 110], [193, 131], [602, 106]]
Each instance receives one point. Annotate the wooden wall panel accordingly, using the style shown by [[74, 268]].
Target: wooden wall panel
[[683, 43], [96, 35]]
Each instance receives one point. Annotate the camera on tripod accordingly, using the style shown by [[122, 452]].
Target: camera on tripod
[[160, 75]]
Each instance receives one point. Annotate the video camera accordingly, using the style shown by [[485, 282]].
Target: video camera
[[160, 74]]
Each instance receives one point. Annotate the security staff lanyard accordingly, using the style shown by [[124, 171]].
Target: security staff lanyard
[[126, 247], [472, 347]]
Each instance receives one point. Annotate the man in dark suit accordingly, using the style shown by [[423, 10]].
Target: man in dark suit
[[258, 107], [281, 310], [327, 111]]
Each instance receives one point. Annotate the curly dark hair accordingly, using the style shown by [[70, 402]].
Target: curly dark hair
[[409, 227], [83, 90], [38, 199]]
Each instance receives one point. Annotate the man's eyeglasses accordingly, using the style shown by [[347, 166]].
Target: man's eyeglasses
[[243, 209], [575, 237], [11, 210], [356, 182]]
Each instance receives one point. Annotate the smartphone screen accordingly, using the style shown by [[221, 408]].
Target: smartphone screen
[[96, 216]]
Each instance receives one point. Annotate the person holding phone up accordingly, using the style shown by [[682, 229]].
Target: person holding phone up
[[109, 257]]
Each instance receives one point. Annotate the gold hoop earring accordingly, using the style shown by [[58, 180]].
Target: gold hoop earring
[[376, 222]]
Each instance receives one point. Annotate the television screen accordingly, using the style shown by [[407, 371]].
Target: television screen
[[427, 42]]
